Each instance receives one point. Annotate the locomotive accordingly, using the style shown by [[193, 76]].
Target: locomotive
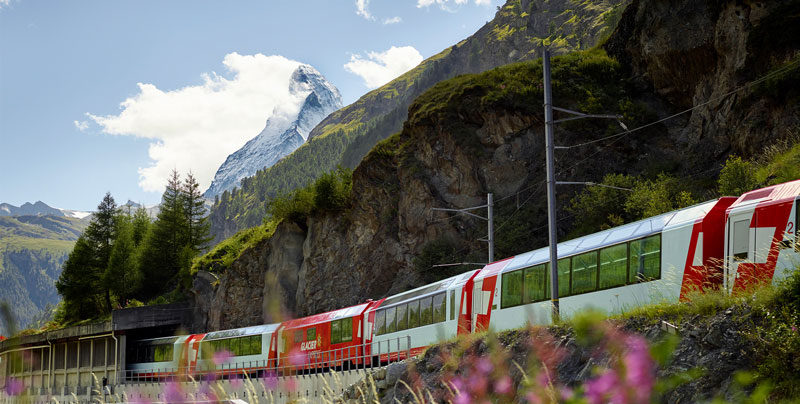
[[730, 243]]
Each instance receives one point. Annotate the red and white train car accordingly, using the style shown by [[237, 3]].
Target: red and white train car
[[761, 239], [730, 242], [406, 323], [325, 340], [653, 260]]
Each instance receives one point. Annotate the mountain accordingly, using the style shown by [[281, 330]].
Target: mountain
[[39, 208], [733, 68], [32, 251], [516, 33], [285, 131]]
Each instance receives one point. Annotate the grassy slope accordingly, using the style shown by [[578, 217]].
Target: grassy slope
[[348, 134]]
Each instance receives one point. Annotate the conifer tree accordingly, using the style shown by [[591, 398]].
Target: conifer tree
[[198, 228], [100, 235], [160, 260], [78, 282]]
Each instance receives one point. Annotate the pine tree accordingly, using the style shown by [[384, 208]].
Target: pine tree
[[78, 282], [100, 235], [198, 228], [160, 260], [121, 276]]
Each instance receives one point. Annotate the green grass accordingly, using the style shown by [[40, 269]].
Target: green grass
[[229, 250]]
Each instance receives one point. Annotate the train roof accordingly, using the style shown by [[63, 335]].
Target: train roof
[[776, 193], [326, 317], [241, 332], [616, 235], [493, 268], [429, 289]]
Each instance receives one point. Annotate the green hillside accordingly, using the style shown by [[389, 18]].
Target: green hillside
[[342, 139], [32, 250]]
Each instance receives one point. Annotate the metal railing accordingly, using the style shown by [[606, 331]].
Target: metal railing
[[291, 363]]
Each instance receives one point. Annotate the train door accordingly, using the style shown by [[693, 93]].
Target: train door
[[740, 249], [477, 303]]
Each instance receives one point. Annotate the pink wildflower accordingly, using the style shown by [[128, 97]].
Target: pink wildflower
[[14, 387], [271, 381], [639, 367], [533, 398], [221, 357], [794, 329], [173, 393], [484, 365], [297, 357], [503, 386], [462, 398], [600, 389]]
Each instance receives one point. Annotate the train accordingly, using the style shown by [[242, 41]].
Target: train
[[731, 243]]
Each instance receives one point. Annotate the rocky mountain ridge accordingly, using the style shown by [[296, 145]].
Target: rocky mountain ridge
[[516, 33], [38, 208], [483, 133], [286, 130]]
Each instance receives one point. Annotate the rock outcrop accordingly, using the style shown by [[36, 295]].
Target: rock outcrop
[[483, 133]]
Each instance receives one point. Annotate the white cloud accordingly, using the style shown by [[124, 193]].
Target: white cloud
[[82, 125], [378, 68], [445, 4], [4, 3], [361, 9], [393, 20], [196, 127]]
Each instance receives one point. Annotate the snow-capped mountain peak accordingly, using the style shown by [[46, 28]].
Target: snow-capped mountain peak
[[286, 129]]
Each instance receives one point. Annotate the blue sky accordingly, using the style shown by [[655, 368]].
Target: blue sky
[[66, 67]]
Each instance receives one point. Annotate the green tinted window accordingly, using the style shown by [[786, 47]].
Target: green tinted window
[[311, 334], [380, 322], [584, 272], [402, 317], [563, 277], [347, 329], [645, 259], [413, 314], [336, 332], [425, 311], [536, 283], [511, 290], [452, 305], [255, 345], [439, 308], [613, 266], [391, 323], [298, 336]]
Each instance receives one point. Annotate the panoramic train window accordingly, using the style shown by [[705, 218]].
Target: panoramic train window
[[452, 305], [425, 311], [581, 273], [512, 289], [536, 283], [380, 322], [563, 277], [439, 308], [391, 323], [645, 259], [241, 346], [342, 330], [584, 272], [413, 314], [613, 266], [402, 317]]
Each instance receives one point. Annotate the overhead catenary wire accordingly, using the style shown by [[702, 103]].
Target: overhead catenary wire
[[616, 137]]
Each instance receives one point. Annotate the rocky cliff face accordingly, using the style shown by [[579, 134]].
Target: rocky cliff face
[[483, 133], [344, 137], [285, 131]]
